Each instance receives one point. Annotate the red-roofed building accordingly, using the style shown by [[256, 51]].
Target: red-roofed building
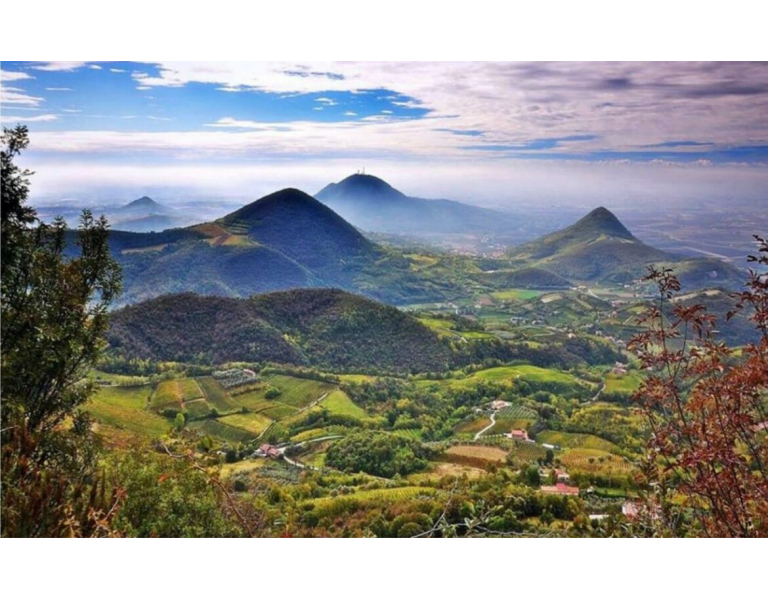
[[519, 434], [269, 451], [560, 489]]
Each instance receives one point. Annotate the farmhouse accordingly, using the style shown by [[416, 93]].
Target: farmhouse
[[560, 489], [499, 404], [519, 434], [269, 451], [562, 476]]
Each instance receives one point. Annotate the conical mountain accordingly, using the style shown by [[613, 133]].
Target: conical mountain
[[600, 221], [359, 188], [596, 247], [299, 226], [145, 203], [372, 204]]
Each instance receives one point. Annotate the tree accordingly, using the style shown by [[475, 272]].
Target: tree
[[54, 315], [532, 476], [706, 408]]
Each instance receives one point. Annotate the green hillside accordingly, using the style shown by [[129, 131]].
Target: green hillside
[[595, 247], [318, 327]]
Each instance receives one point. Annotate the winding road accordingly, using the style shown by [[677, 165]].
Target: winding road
[[493, 422]]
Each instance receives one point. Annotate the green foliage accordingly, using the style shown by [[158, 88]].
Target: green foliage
[[54, 316], [319, 327], [377, 453], [164, 497]]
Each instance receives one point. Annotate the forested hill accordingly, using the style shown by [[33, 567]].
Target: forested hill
[[327, 328]]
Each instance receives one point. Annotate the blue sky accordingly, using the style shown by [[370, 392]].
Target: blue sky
[[314, 122]]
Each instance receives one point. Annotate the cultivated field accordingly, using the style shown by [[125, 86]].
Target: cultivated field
[[126, 408], [576, 440], [474, 455]]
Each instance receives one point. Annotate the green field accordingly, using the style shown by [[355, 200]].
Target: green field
[[189, 389], [374, 495], [217, 395], [197, 409], [218, 429], [527, 452], [624, 384], [338, 402], [576, 440], [278, 411], [168, 394], [525, 371], [253, 423], [516, 412], [126, 408], [596, 462], [294, 391], [517, 295]]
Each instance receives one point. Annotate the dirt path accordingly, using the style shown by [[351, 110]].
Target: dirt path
[[490, 426]]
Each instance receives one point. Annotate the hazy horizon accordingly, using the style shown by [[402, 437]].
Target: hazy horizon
[[499, 135]]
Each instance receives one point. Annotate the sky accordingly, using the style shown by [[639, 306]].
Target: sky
[[490, 133]]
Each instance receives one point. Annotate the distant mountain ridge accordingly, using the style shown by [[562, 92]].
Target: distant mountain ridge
[[372, 204], [284, 240]]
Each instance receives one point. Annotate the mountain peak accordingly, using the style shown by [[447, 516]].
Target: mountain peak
[[360, 186], [299, 226], [285, 199], [142, 202], [601, 221]]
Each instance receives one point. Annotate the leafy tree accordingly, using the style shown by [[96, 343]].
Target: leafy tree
[[706, 407], [54, 316], [164, 497], [532, 476]]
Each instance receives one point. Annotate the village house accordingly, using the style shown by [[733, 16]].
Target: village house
[[499, 404], [562, 476], [560, 489], [269, 451], [519, 435]]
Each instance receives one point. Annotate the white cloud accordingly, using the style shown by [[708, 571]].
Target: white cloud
[[14, 95], [350, 113], [95, 67], [71, 110], [13, 75], [327, 101], [40, 118], [117, 70], [58, 66], [159, 118], [58, 89], [622, 104]]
